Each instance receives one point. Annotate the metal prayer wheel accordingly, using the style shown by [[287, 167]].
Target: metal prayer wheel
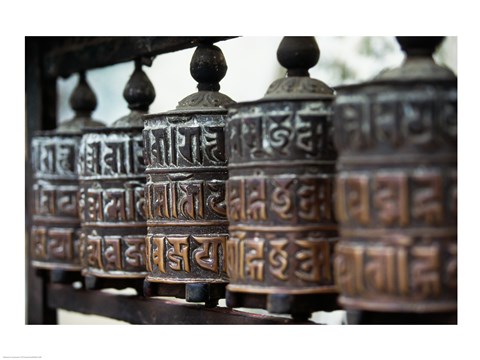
[[186, 169], [396, 190], [112, 200], [55, 232], [279, 192]]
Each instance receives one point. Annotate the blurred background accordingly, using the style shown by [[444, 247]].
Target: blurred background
[[252, 67]]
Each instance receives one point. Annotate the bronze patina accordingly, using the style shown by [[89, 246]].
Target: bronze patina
[[55, 229], [186, 170], [279, 192], [112, 204], [396, 190]]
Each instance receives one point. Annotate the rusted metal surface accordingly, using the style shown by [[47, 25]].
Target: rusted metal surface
[[185, 191], [396, 189], [112, 180], [55, 231], [279, 191]]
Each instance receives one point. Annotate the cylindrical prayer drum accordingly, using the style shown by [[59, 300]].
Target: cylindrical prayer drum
[[396, 190], [185, 190], [55, 233], [279, 192], [112, 204]]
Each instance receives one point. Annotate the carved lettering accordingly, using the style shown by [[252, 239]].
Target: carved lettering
[[92, 158], [235, 139], [158, 252], [386, 127], [215, 143], [147, 148], [208, 256], [94, 252], [136, 146], [158, 200], [216, 199], [48, 201], [427, 198], [67, 201], [282, 198], [115, 209], [48, 159], [160, 147], [425, 271], [39, 242], [114, 160], [279, 132], [308, 133], [253, 135], [357, 198], [254, 262], [94, 205], [354, 131], [309, 205], [134, 255], [416, 119], [278, 259], [191, 148], [380, 269], [349, 269], [447, 120], [391, 198], [81, 204], [191, 203], [313, 260], [140, 205], [235, 255], [60, 244], [256, 199], [66, 158], [112, 255], [178, 252], [236, 200]]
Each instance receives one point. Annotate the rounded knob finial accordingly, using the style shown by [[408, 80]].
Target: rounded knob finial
[[83, 100], [298, 54], [208, 67], [419, 45], [139, 91]]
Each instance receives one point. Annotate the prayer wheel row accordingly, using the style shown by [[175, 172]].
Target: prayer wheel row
[[308, 199]]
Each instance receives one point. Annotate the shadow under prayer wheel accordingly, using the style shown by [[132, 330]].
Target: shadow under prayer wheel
[[112, 203], [55, 233], [396, 190], [279, 192], [185, 190]]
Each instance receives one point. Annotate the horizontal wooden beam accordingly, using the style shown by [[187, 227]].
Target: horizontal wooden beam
[[139, 310], [66, 56]]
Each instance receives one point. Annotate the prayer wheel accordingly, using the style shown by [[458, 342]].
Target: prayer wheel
[[279, 192], [186, 169], [55, 233], [396, 189], [112, 204]]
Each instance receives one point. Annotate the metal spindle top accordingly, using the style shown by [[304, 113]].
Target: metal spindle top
[[208, 67], [419, 64], [297, 55], [139, 94], [83, 101]]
